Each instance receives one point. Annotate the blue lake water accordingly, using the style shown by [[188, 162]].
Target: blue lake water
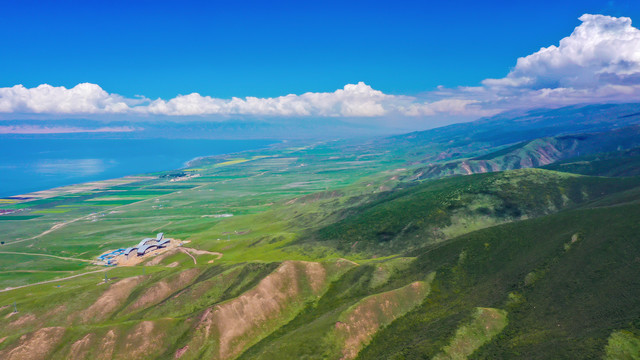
[[34, 164]]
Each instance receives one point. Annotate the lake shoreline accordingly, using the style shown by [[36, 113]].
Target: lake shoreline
[[47, 164]]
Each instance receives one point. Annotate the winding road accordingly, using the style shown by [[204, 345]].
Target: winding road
[[47, 255], [52, 281]]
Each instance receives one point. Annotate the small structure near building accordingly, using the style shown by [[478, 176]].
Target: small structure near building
[[109, 258]]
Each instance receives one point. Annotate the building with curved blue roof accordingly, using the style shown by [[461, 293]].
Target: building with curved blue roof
[[145, 241], [144, 246], [143, 250]]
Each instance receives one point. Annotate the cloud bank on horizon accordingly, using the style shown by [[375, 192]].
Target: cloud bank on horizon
[[598, 62], [354, 100]]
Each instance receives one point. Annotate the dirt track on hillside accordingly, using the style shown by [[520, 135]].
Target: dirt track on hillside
[[54, 280]]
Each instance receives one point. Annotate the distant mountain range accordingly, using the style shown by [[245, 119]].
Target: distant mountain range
[[505, 128]]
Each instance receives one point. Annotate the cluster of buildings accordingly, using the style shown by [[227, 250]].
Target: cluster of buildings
[[148, 244], [145, 246]]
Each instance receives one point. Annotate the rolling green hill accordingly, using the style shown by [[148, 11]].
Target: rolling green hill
[[435, 211], [619, 163], [566, 281]]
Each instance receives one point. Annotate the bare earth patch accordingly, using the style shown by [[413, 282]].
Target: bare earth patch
[[359, 323], [316, 275], [158, 258], [181, 352], [111, 299], [162, 289], [239, 316], [55, 311], [80, 348], [36, 345], [22, 321], [142, 341], [202, 252], [243, 320], [108, 345]]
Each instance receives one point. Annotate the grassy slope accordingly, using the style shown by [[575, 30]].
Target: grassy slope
[[563, 298], [620, 163], [623, 345], [434, 211], [485, 324]]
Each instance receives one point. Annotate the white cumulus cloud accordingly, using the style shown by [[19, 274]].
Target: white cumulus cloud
[[354, 100], [599, 61], [83, 98]]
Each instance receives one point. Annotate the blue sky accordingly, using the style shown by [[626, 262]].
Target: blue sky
[[224, 49], [357, 59]]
